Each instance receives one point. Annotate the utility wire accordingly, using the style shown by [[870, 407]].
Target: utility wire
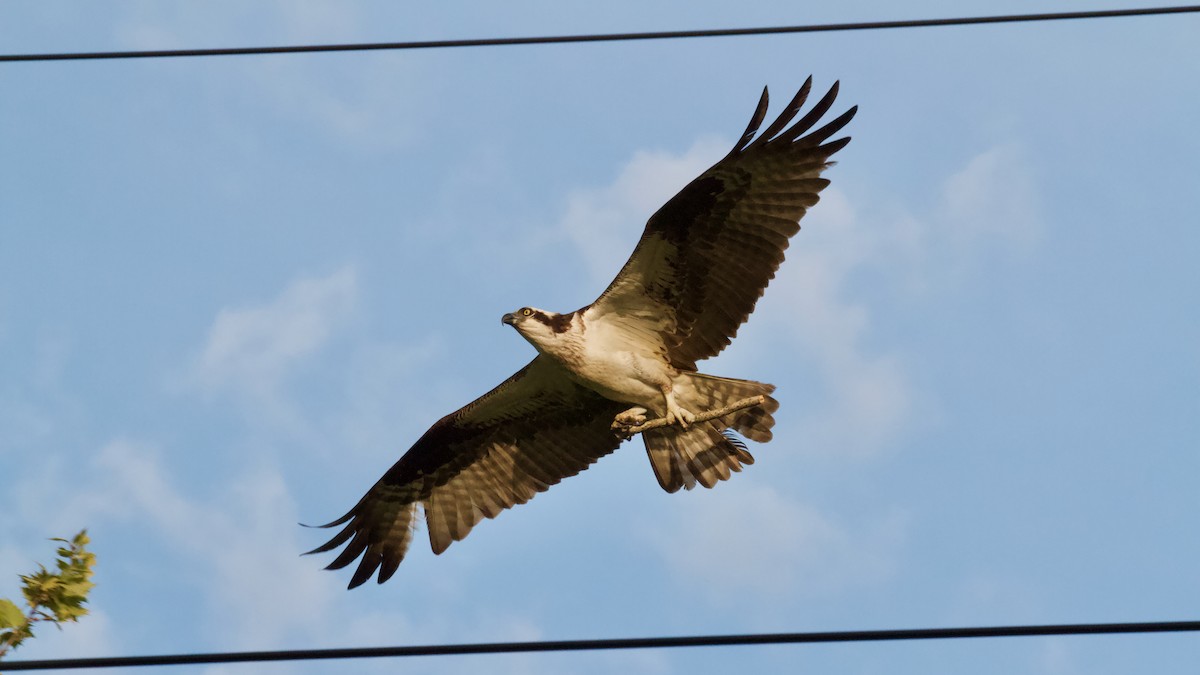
[[620, 643], [606, 37]]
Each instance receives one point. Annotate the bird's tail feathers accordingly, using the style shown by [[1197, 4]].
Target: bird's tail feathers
[[710, 452], [710, 392]]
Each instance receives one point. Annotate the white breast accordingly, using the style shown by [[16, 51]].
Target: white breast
[[622, 361]]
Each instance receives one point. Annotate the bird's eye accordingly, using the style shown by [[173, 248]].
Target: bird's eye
[[526, 312]]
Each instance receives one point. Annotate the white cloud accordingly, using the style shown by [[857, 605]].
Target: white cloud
[[988, 206], [93, 635], [236, 551], [270, 594], [752, 540], [867, 397], [993, 197], [243, 543], [249, 350]]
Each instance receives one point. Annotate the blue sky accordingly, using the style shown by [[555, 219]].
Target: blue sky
[[234, 290]]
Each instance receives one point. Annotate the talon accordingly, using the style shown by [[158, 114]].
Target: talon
[[677, 415], [632, 417]]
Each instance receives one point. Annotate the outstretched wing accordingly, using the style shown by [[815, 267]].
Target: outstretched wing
[[525, 435], [706, 256]]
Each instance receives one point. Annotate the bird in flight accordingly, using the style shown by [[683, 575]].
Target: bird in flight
[[702, 263]]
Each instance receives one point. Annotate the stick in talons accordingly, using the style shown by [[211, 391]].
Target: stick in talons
[[627, 431]]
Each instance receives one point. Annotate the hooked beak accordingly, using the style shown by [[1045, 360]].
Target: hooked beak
[[510, 319]]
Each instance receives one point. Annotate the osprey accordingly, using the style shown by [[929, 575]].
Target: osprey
[[703, 261]]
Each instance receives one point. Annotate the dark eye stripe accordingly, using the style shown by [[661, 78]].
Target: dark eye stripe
[[559, 324]]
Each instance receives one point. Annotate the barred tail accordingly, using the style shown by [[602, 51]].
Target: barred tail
[[708, 452]]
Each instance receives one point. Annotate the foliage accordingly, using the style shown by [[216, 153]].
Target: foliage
[[56, 596]]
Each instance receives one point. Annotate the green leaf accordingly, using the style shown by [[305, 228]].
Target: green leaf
[[11, 616], [76, 589], [55, 596], [13, 639]]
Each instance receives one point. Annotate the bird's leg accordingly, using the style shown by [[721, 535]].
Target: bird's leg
[[632, 417], [675, 414]]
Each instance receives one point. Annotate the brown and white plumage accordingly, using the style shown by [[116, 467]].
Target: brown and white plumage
[[707, 255], [703, 261], [530, 432]]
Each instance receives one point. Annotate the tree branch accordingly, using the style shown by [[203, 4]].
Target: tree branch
[[627, 431]]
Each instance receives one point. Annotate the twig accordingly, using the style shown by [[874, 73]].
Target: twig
[[627, 431]]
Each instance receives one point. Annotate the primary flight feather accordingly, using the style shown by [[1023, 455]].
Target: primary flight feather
[[702, 263]]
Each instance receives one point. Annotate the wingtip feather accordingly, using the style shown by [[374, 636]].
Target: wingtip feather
[[789, 112], [756, 120], [818, 111], [366, 567], [837, 124]]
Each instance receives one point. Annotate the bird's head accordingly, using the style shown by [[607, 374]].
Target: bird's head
[[538, 326]]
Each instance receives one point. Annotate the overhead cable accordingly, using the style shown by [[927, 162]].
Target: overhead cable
[[605, 37], [619, 643]]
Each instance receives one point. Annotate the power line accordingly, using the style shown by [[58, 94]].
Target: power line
[[619, 643], [606, 37]]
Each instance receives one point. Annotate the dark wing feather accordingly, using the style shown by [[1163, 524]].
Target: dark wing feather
[[525, 435], [707, 255]]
